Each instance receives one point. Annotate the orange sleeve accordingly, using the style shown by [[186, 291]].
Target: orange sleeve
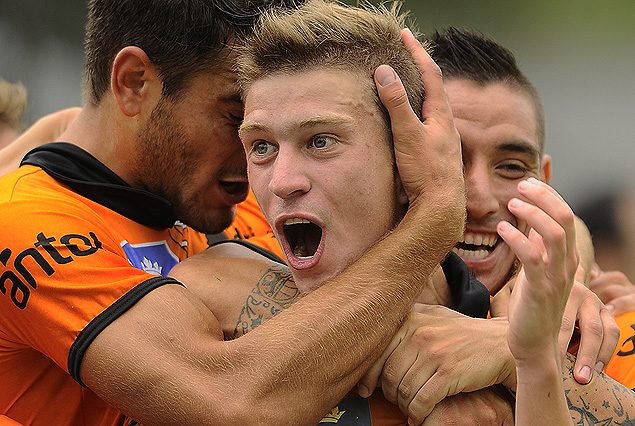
[[622, 365]]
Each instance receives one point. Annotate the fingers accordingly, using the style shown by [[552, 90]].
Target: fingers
[[553, 220], [436, 103], [433, 140], [367, 384], [598, 332], [621, 305], [597, 343], [611, 333], [611, 285], [591, 336]]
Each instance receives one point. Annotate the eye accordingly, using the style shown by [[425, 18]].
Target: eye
[[322, 141], [262, 148], [513, 170], [235, 118]]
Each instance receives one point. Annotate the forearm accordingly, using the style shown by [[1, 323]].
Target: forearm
[[372, 295], [602, 399], [540, 398], [318, 347]]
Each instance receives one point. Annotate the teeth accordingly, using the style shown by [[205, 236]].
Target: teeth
[[300, 251], [473, 254], [479, 239], [295, 221]]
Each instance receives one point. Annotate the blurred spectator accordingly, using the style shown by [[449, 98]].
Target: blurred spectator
[[610, 219], [12, 110]]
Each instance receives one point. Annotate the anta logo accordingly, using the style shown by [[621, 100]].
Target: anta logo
[[41, 255]]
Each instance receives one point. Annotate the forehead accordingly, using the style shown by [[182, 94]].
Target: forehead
[[309, 97], [219, 84], [492, 114]]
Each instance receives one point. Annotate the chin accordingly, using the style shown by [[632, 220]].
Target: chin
[[212, 223]]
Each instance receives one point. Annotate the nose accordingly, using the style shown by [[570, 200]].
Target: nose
[[481, 193], [288, 177]]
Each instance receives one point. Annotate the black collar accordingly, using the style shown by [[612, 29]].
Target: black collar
[[90, 178]]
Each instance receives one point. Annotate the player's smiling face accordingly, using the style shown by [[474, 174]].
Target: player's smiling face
[[321, 167], [499, 139]]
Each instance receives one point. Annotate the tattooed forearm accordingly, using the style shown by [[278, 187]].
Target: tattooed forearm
[[602, 402], [274, 292]]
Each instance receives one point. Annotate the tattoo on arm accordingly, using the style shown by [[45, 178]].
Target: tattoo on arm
[[274, 292], [602, 402]]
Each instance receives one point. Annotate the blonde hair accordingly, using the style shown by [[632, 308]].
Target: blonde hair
[[328, 34], [12, 104]]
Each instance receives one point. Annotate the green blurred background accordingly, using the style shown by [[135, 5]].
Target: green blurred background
[[580, 54]]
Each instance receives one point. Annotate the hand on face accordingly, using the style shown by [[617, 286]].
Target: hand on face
[[427, 152], [550, 260]]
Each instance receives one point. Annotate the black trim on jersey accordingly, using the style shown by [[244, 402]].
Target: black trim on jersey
[[90, 178], [101, 321], [470, 296], [262, 251]]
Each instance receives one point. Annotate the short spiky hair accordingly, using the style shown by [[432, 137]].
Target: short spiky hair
[[181, 37], [328, 34], [465, 54]]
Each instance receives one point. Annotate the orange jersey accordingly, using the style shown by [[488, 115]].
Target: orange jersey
[[621, 368], [76, 251], [250, 224]]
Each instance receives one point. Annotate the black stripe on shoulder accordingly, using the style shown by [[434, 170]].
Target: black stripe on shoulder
[[101, 321], [260, 250]]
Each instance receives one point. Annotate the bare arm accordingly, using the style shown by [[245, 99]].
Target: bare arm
[[164, 361], [538, 300], [46, 129]]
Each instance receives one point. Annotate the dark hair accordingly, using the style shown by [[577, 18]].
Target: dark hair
[[181, 37], [466, 54]]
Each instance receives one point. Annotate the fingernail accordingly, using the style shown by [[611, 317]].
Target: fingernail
[[599, 366], [585, 373], [363, 391], [515, 203], [385, 75]]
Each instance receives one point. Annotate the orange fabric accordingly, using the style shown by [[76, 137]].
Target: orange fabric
[[5, 421], [621, 367], [65, 259], [250, 224]]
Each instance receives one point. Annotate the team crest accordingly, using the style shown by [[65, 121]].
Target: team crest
[[154, 258]]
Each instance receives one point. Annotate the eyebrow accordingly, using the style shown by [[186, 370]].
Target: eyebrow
[[308, 123], [231, 97], [521, 147]]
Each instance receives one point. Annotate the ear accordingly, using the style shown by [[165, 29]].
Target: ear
[[134, 81], [545, 168]]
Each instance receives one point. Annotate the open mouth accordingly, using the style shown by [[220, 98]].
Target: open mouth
[[476, 246], [303, 237]]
